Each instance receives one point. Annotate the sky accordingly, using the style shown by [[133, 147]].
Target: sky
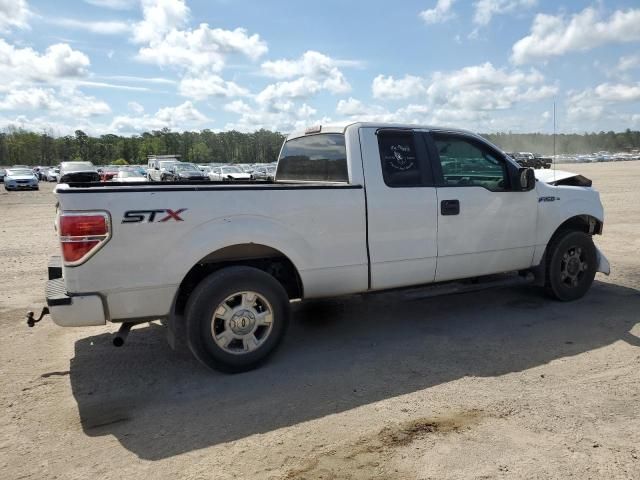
[[129, 66]]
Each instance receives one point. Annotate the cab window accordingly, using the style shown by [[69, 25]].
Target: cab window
[[314, 158], [467, 163], [400, 164]]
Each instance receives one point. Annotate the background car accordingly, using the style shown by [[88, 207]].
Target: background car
[[42, 173], [228, 173], [107, 173], [129, 175], [183, 172], [78, 172], [20, 179], [3, 172], [265, 172], [53, 174]]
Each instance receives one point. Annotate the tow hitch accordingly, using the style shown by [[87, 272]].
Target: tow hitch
[[31, 321]]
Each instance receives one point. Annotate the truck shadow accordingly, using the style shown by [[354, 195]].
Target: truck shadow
[[338, 355]]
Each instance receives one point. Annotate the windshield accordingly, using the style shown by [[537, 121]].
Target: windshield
[[186, 167], [78, 166], [166, 164], [130, 173], [232, 170], [19, 171]]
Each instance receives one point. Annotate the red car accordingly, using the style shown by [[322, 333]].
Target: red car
[[107, 173]]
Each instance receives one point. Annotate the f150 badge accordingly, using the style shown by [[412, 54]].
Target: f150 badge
[[150, 216], [548, 199]]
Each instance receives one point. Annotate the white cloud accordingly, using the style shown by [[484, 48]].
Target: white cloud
[[485, 10], [630, 62], [311, 64], [135, 107], [472, 96], [351, 107], [65, 102], [315, 72], [100, 28], [199, 54], [134, 79], [21, 65], [182, 117], [202, 48], [113, 4], [438, 14], [13, 14], [283, 116], [601, 102], [302, 87], [391, 88], [484, 87], [159, 18], [556, 35], [211, 85]]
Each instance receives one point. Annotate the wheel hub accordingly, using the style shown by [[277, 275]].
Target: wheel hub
[[242, 322], [572, 267]]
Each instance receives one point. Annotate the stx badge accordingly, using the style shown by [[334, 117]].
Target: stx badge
[[150, 216]]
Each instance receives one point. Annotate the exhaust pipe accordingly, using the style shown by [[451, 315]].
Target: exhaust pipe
[[121, 336]]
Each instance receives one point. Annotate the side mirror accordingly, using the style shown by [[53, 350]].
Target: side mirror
[[527, 179]]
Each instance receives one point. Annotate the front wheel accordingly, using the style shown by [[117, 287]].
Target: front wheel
[[571, 265], [236, 318]]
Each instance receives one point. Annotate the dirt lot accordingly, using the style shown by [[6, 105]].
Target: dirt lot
[[495, 384]]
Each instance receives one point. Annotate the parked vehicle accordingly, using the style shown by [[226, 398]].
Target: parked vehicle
[[267, 173], [533, 160], [108, 173], [183, 172], [3, 172], [129, 175], [158, 165], [20, 179], [354, 209], [229, 173], [53, 174], [42, 173], [78, 172]]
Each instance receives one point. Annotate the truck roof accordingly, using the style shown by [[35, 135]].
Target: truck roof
[[341, 127]]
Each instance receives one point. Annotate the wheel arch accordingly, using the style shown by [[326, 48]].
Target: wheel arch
[[263, 257], [579, 223]]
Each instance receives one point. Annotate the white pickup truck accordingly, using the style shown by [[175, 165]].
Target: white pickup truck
[[353, 209]]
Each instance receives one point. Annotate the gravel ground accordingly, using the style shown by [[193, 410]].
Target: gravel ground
[[495, 384]]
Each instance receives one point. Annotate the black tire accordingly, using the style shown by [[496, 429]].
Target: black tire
[[571, 265], [205, 300]]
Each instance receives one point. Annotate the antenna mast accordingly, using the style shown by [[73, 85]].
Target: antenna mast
[[554, 141]]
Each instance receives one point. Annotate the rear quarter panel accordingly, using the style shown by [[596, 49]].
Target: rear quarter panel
[[322, 231]]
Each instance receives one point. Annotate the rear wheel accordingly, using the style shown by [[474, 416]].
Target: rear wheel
[[571, 265], [236, 318]]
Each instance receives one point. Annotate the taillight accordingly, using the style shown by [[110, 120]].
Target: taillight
[[82, 234]]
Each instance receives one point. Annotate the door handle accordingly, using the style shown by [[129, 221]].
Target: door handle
[[450, 207]]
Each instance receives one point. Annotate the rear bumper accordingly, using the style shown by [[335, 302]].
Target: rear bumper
[[71, 310]]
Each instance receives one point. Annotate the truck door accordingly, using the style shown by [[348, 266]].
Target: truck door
[[401, 207], [484, 225]]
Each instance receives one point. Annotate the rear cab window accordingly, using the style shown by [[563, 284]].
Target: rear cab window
[[314, 158]]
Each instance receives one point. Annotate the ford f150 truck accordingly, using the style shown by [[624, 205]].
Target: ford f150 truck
[[353, 209]]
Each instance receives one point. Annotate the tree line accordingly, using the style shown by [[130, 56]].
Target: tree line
[[18, 146]]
